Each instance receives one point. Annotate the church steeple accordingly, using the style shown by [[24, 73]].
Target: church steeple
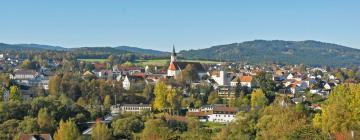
[[173, 55]]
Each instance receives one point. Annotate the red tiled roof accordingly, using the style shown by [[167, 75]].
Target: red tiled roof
[[196, 114], [172, 66], [246, 79]]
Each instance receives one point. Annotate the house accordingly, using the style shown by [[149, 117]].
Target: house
[[23, 76], [1, 56], [220, 77], [35, 137], [130, 108], [87, 74], [222, 114], [100, 66], [247, 81], [226, 92], [290, 76], [235, 82], [104, 74], [329, 86], [133, 81], [175, 67], [294, 88], [214, 113]]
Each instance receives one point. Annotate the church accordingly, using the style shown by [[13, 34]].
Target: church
[[175, 67]]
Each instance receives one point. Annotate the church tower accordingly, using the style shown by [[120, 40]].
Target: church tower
[[172, 70], [173, 55]]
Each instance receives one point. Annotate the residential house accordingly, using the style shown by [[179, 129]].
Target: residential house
[[220, 77], [104, 74], [222, 114], [226, 92], [247, 81], [23, 76], [133, 81], [214, 113]]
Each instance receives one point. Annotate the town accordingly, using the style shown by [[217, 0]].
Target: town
[[179, 70], [45, 93]]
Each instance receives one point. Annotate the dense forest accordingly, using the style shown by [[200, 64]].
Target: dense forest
[[287, 52]]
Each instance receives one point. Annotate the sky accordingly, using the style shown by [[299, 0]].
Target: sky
[[188, 24]]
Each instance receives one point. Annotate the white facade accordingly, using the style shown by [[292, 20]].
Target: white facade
[[222, 79], [221, 118], [172, 72], [130, 108], [126, 83], [246, 84]]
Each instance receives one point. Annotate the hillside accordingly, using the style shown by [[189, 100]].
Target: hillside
[[142, 51], [287, 52], [28, 47]]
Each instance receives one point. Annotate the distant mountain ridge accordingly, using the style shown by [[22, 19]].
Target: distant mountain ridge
[[27, 47], [277, 51], [118, 49], [142, 51], [255, 52]]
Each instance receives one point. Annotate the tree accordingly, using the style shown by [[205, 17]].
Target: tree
[[173, 100], [15, 94], [195, 131], [160, 96], [27, 64], [264, 81], [307, 132], [243, 128], [156, 129], [28, 125], [54, 85], [258, 100], [278, 122], [214, 98], [67, 131], [340, 113], [101, 132], [45, 121], [107, 102], [124, 128], [81, 102], [8, 129]]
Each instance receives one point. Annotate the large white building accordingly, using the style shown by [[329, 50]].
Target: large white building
[[130, 108], [214, 113]]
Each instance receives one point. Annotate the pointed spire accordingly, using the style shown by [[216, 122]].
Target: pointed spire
[[174, 53]]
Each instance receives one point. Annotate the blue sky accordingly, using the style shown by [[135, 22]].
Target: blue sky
[[189, 24]]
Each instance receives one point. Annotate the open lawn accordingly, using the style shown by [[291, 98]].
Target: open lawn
[[94, 60]]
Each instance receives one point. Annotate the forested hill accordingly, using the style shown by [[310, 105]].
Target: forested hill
[[142, 51], [28, 47], [287, 52]]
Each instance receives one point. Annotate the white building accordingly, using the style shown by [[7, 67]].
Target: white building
[[221, 79], [214, 113], [130, 108]]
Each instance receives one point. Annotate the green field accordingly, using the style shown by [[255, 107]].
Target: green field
[[94, 60], [162, 62]]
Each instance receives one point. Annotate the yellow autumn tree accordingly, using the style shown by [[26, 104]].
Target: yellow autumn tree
[[67, 131], [341, 112]]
